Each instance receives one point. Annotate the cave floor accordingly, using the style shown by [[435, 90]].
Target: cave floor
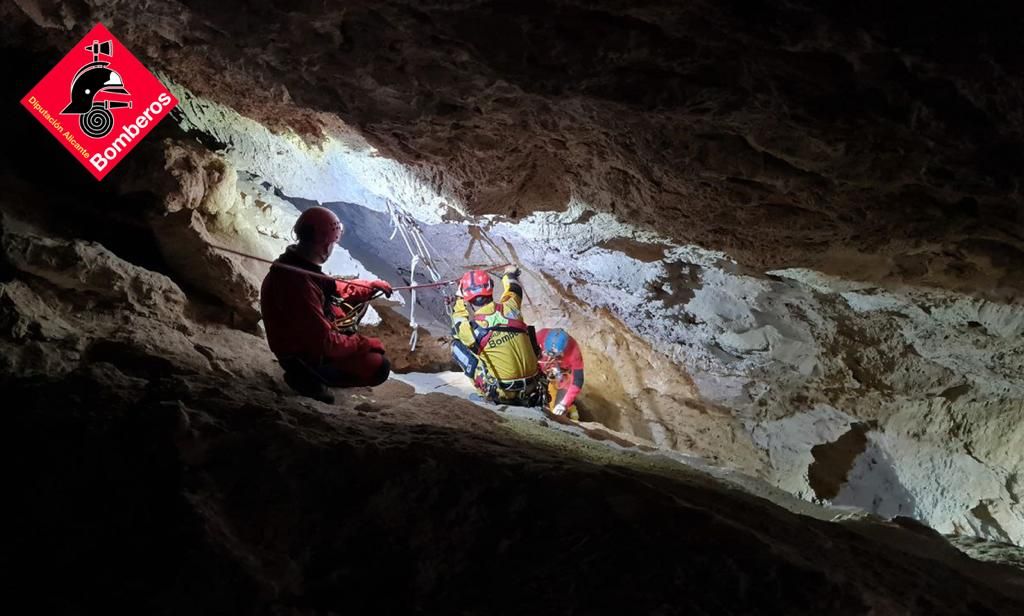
[[192, 493]]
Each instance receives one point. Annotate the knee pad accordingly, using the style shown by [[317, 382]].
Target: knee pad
[[383, 372]]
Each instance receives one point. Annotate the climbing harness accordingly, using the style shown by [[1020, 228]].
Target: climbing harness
[[527, 390], [352, 314], [550, 368]]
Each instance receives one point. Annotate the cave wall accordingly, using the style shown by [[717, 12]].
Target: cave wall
[[698, 353], [867, 142], [772, 228], [163, 467]]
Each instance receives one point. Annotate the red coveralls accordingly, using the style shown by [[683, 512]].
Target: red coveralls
[[298, 317], [571, 367]]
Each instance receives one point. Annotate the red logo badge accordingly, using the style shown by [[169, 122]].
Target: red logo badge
[[99, 101]]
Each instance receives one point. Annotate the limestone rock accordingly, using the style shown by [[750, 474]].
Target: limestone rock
[[78, 267], [74, 302]]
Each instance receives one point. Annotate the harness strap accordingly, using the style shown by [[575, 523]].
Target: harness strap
[[482, 342], [525, 388], [482, 331]]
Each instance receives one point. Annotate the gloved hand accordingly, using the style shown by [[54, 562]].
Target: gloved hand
[[512, 271], [375, 345], [382, 286], [559, 409]]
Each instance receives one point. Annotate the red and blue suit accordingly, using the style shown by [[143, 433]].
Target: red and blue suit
[[562, 362]]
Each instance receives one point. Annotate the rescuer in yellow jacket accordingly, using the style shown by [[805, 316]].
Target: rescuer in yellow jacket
[[493, 345]]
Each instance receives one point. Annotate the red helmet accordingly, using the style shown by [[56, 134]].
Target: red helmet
[[475, 285], [318, 226]]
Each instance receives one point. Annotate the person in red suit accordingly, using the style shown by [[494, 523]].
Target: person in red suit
[[562, 362], [300, 314]]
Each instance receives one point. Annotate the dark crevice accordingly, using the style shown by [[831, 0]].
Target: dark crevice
[[833, 461]]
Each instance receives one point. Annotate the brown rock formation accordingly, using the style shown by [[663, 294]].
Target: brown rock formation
[[868, 142]]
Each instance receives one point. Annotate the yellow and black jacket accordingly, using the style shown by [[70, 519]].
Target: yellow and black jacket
[[498, 338]]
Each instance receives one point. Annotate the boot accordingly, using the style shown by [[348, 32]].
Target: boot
[[305, 383]]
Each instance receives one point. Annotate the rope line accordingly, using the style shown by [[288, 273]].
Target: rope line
[[299, 270], [419, 252]]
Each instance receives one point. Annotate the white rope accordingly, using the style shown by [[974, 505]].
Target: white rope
[[419, 252], [415, 336]]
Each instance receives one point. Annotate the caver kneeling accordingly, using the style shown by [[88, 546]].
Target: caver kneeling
[[561, 361], [308, 328]]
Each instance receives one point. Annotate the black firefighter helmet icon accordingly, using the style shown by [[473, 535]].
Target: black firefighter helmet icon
[[90, 80]]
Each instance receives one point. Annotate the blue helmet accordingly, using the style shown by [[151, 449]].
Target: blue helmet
[[556, 342]]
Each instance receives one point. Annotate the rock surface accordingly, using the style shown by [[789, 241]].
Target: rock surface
[[864, 142], [163, 475], [201, 497], [787, 236], [758, 371]]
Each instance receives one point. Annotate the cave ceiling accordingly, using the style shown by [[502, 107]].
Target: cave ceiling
[[864, 140]]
